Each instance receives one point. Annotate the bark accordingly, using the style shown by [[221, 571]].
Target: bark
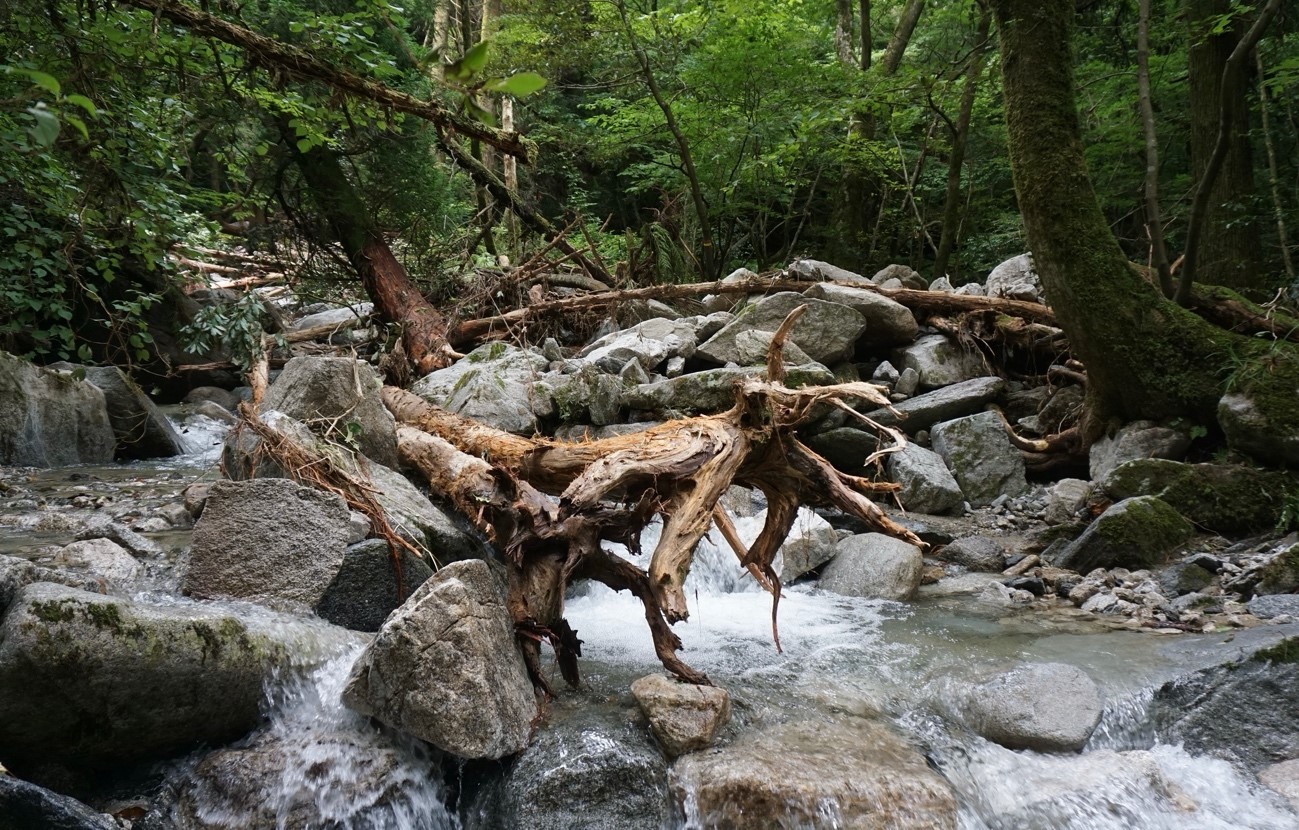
[[1231, 241], [1274, 178], [960, 138], [843, 31], [1145, 356], [396, 297], [1154, 217], [892, 58], [864, 31]]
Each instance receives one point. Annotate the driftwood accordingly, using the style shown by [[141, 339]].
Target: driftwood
[[548, 504]]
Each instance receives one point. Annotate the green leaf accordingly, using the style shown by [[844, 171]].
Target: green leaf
[[472, 62], [43, 80], [519, 85], [46, 128], [79, 124], [304, 144], [83, 102]]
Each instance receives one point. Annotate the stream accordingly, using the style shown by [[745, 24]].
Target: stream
[[316, 764]]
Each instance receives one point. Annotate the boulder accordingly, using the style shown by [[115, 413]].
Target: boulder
[[873, 565], [939, 362], [726, 302], [981, 457], [1064, 499], [815, 774], [1268, 606], [845, 447], [811, 542], [1139, 439], [827, 332], [492, 384], [99, 526], [267, 539], [223, 398], [751, 347], [1242, 710], [1015, 279], [342, 317], [712, 390], [1226, 498], [888, 322], [683, 717], [365, 591], [1047, 707], [51, 419], [812, 269], [588, 395], [923, 411], [100, 558], [1135, 533], [1250, 429], [589, 767], [1283, 778], [978, 553], [906, 276], [648, 343], [927, 484], [337, 392], [445, 668], [25, 806], [92, 682], [142, 431]]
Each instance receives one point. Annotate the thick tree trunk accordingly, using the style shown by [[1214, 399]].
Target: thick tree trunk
[[1154, 216], [1230, 245], [396, 298], [843, 31], [1145, 356]]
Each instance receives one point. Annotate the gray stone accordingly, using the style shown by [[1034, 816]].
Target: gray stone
[[811, 542], [844, 447], [99, 526], [267, 539], [1064, 499], [927, 484], [827, 332], [223, 398], [1227, 498], [978, 553], [445, 668], [102, 558], [1283, 778], [142, 431], [343, 317], [50, 419], [1249, 429], [335, 392], [885, 373], [812, 269], [365, 591], [1274, 605], [1047, 707], [1139, 439], [923, 411], [94, 682], [712, 390], [981, 457], [970, 289], [726, 302], [648, 343], [906, 276], [874, 565], [25, 806], [852, 773], [586, 396], [1242, 710], [1135, 533], [751, 347], [908, 382], [1015, 279], [492, 384], [589, 767], [941, 284], [939, 362], [683, 717], [888, 322]]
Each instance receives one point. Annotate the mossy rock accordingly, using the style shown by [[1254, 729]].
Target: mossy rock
[[1134, 533], [1224, 498]]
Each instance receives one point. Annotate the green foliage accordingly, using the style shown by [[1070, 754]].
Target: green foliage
[[236, 329]]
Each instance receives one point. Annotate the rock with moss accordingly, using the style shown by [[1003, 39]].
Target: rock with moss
[[340, 396], [888, 322], [1137, 440], [89, 681], [827, 332], [51, 419], [1135, 533], [1263, 422], [492, 384], [142, 430], [982, 460], [1225, 498], [939, 362], [927, 484], [587, 396], [712, 390]]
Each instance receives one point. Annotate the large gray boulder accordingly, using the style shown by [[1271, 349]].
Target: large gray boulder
[[343, 317], [492, 384], [981, 457], [1139, 439], [827, 332], [266, 540], [337, 392], [888, 322], [589, 767], [811, 542], [445, 668], [923, 411], [1226, 498], [814, 269], [846, 447], [90, 681], [100, 559], [1250, 429], [1015, 279], [978, 553], [365, 590], [1047, 707], [25, 806], [875, 566], [50, 419], [927, 484], [683, 717], [1135, 533], [816, 774], [712, 390], [648, 343], [141, 429], [939, 362]]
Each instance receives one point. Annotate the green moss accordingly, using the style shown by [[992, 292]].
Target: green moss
[[1286, 651], [1219, 497], [492, 351], [106, 615]]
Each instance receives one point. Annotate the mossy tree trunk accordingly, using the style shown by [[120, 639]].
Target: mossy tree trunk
[[1145, 356]]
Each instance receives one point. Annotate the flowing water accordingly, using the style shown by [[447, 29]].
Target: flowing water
[[315, 764]]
